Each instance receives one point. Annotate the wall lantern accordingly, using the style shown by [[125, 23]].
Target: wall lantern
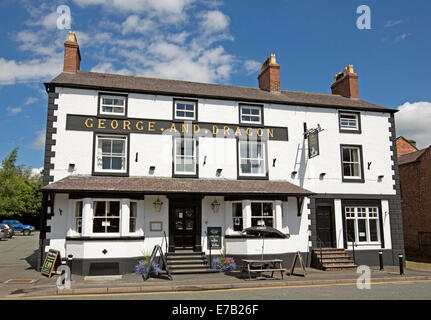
[[294, 174], [152, 169], [218, 172], [158, 205], [322, 175], [215, 205], [380, 178]]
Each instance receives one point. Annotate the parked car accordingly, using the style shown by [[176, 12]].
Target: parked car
[[19, 227], [3, 233], [9, 230]]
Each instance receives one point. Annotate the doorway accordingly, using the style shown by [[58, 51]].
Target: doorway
[[325, 226]]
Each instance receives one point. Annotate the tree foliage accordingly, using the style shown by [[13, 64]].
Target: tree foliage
[[19, 189]]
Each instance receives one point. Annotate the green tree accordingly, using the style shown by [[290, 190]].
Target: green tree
[[19, 189]]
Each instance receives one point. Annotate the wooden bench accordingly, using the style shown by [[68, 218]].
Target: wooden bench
[[252, 266]]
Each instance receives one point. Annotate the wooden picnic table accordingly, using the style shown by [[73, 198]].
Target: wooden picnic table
[[258, 266]]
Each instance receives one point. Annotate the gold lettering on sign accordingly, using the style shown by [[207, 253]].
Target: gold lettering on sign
[[185, 127], [114, 124], [126, 123], [151, 126], [173, 128], [247, 132], [238, 131], [215, 129], [87, 124], [196, 128], [226, 130], [259, 132], [140, 125], [101, 124], [271, 133]]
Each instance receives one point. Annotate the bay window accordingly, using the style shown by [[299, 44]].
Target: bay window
[[262, 214], [106, 217]]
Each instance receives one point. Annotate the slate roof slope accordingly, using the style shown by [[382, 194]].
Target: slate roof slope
[[411, 157], [83, 183], [85, 79]]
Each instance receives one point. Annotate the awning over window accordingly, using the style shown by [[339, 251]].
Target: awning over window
[[146, 185]]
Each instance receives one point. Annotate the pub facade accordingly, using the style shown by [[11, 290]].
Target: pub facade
[[134, 162]]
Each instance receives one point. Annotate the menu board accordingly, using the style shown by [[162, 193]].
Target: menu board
[[52, 258], [214, 237]]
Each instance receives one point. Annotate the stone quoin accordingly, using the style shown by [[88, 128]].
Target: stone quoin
[[135, 162]]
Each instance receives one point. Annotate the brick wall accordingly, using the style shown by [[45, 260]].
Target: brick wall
[[416, 206]]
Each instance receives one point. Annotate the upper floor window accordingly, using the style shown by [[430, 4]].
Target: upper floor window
[[351, 158], [252, 158], [111, 155], [185, 156], [115, 105], [185, 109], [250, 114], [350, 122]]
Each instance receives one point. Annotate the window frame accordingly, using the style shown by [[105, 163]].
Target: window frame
[[361, 178], [262, 216], [135, 217], [195, 111], [241, 175], [241, 217], [120, 218], [75, 227], [195, 172], [251, 106], [109, 172], [357, 130], [367, 218], [112, 114]]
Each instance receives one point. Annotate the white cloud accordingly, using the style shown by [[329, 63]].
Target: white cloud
[[135, 24], [39, 142], [412, 121], [401, 37], [36, 171], [13, 111], [214, 21], [392, 23], [30, 100], [252, 66]]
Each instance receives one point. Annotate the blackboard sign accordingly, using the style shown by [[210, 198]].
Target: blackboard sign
[[52, 258], [313, 144], [214, 237]]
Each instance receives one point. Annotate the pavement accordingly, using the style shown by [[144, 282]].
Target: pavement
[[20, 280]]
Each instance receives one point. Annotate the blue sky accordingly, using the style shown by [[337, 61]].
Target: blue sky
[[216, 42]]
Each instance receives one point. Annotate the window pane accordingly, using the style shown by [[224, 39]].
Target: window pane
[[355, 156], [106, 163], [78, 209], [350, 226], [106, 145], [118, 146], [117, 163], [267, 209], [256, 209], [346, 155], [374, 236], [99, 208], [362, 230]]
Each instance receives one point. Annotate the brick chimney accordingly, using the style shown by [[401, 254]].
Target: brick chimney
[[72, 56], [269, 77], [346, 83]]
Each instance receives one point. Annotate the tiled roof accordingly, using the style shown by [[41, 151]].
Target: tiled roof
[[147, 185], [106, 81], [411, 157]]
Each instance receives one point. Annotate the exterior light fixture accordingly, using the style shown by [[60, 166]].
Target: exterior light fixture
[[158, 205], [294, 173], [152, 168], [71, 166], [380, 178], [322, 175], [218, 172], [215, 205]]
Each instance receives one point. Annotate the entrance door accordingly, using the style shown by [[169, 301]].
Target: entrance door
[[324, 226], [185, 226]]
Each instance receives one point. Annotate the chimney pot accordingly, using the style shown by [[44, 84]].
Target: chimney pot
[[269, 77], [72, 55], [346, 83]]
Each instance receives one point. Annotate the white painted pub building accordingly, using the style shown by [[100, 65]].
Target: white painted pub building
[[132, 162]]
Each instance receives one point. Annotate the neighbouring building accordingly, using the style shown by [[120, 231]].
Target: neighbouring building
[[132, 162], [415, 180]]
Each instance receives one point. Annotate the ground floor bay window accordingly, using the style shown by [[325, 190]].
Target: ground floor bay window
[[362, 225]]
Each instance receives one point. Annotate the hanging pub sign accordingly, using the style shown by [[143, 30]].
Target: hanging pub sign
[[214, 237], [313, 144]]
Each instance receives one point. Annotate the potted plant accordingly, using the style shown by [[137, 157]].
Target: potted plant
[[224, 264], [143, 265]]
